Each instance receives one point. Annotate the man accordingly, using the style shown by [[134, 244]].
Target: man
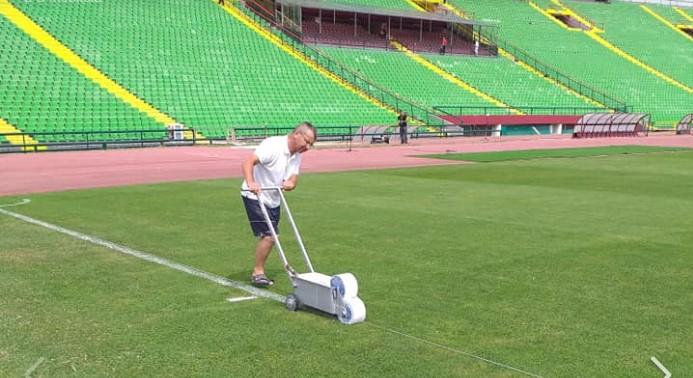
[[402, 123], [443, 45], [276, 162]]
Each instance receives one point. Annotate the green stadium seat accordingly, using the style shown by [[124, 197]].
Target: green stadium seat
[[202, 65], [577, 55]]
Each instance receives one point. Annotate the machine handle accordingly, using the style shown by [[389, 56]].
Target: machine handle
[[265, 188], [299, 240]]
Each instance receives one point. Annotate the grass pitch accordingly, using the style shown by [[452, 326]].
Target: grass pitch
[[556, 267]]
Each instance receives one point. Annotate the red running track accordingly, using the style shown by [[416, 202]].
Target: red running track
[[57, 171]]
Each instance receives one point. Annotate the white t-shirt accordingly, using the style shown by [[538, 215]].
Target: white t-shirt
[[276, 165]]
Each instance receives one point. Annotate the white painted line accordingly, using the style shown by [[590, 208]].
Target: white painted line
[[149, 257], [661, 367], [22, 202], [33, 367], [500, 364], [240, 299]]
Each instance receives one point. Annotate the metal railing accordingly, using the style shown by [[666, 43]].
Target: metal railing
[[526, 109], [333, 133], [87, 140]]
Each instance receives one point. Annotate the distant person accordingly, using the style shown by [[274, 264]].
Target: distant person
[[402, 122], [476, 47], [443, 45], [221, 2], [275, 162], [383, 30]]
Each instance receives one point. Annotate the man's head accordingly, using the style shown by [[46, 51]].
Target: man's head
[[302, 138]]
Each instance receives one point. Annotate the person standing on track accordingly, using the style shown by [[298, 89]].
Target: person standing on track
[[275, 163], [402, 123]]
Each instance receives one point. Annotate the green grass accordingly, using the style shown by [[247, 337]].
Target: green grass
[[559, 267], [487, 157]]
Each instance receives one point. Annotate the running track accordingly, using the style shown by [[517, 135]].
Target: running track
[[57, 171]]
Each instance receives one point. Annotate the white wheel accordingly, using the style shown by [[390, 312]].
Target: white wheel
[[291, 302], [345, 285], [352, 311]]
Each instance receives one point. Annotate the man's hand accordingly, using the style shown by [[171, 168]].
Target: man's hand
[[289, 185], [254, 187]]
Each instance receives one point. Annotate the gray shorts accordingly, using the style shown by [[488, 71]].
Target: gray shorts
[[257, 220]]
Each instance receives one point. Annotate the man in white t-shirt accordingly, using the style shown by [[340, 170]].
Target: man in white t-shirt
[[276, 162]]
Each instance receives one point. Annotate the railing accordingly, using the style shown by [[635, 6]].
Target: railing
[[399, 103], [86, 140], [670, 3], [335, 133], [526, 109], [350, 42]]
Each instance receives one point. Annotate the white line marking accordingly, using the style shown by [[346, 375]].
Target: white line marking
[[151, 258], [22, 202], [33, 367], [240, 299], [661, 367], [457, 351]]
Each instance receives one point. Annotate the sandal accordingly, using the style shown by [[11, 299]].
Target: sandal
[[261, 280]]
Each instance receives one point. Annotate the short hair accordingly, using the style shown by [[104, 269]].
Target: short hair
[[304, 127]]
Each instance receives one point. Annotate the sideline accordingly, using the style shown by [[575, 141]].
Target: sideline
[[34, 367], [22, 202], [146, 256], [458, 351]]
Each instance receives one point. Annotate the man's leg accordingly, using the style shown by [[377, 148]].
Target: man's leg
[[262, 250], [265, 242]]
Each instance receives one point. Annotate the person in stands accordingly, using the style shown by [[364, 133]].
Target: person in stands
[[443, 45]]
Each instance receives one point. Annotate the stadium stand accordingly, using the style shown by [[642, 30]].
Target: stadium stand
[[675, 15], [640, 34], [341, 34], [211, 70], [578, 56], [42, 94], [348, 25], [404, 76], [510, 83], [199, 64]]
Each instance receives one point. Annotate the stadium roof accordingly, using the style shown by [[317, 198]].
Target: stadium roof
[[387, 12]]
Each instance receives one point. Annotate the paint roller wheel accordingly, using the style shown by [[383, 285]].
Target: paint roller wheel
[[291, 302], [353, 311], [345, 285]]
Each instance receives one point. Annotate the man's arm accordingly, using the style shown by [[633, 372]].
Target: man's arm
[[247, 168]]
